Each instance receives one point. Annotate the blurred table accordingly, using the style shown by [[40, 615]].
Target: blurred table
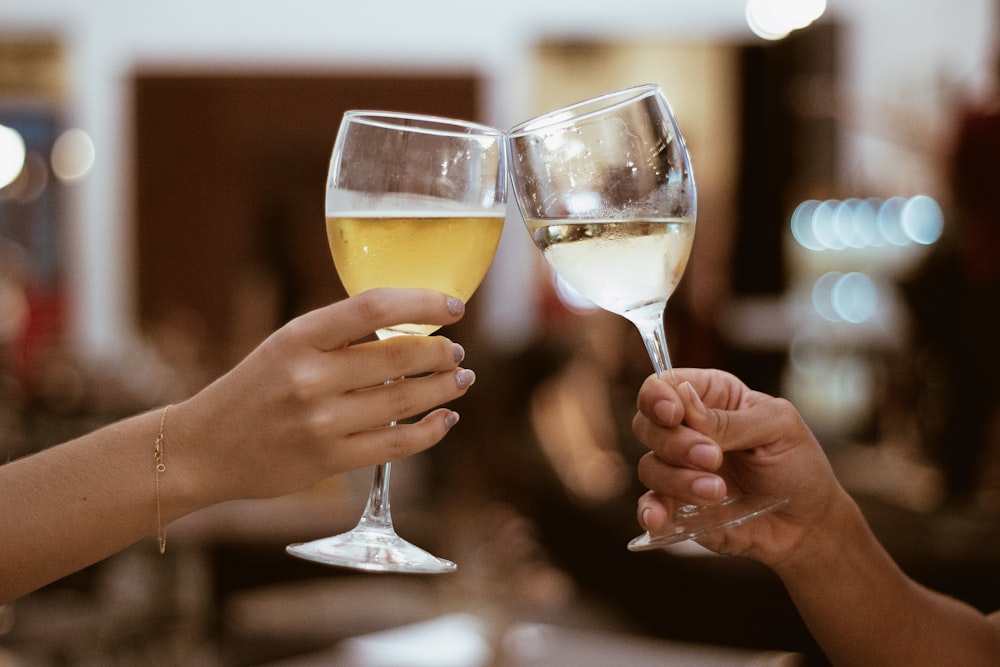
[[463, 640]]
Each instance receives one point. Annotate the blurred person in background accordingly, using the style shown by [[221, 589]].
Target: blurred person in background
[[308, 403], [954, 299], [859, 605]]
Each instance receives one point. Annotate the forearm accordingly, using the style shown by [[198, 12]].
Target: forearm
[[69, 506], [864, 610]]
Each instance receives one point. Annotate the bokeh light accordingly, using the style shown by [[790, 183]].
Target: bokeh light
[[922, 220], [854, 297], [775, 19], [866, 223], [845, 297], [890, 222], [72, 155], [12, 152]]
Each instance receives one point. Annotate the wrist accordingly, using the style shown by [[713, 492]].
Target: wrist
[[824, 538], [183, 488]]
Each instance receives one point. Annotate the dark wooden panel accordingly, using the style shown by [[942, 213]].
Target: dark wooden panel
[[230, 172]]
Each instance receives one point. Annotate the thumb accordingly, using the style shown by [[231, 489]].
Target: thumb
[[732, 430]]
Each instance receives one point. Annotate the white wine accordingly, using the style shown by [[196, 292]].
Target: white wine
[[448, 254], [620, 265]]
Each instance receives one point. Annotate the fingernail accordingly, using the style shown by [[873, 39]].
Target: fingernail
[[706, 487], [643, 519], [706, 457], [451, 419], [464, 378], [455, 306], [664, 411], [694, 400], [458, 352]]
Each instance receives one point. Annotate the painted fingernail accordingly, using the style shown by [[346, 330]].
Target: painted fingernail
[[706, 457], [455, 306], [706, 487], [464, 378], [451, 419], [458, 352]]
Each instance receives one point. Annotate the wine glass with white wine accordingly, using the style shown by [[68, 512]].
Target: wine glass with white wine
[[411, 201], [606, 190]]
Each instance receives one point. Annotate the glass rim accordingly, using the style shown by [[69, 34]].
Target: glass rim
[[592, 106], [422, 123]]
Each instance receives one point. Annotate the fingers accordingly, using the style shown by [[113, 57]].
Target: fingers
[[401, 399], [342, 387], [717, 389], [349, 320], [375, 362], [658, 424], [661, 401], [651, 511], [683, 434], [763, 421], [713, 403], [391, 443], [658, 400], [681, 483], [714, 414]]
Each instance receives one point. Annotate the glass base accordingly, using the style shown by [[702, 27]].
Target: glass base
[[372, 550], [690, 521]]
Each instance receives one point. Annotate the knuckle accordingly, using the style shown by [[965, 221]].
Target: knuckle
[[315, 426], [722, 423], [400, 399], [295, 330], [400, 442], [396, 354], [650, 470], [373, 304], [302, 382], [786, 415], [643, 469]]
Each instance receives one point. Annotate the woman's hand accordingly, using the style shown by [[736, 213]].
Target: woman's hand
[[309, 403]]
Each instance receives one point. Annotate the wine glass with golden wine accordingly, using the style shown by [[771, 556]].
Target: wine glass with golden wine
[[411, 201], [607, 192]]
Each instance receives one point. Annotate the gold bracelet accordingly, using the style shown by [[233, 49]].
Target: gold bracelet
[[158, 469]]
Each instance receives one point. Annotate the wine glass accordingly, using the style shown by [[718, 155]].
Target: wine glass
[[607, 193], [411, 201]]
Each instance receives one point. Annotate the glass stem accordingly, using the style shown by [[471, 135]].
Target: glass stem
[[377, 515], [655, 338]]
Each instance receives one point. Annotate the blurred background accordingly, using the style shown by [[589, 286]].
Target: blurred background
[[162, 171]]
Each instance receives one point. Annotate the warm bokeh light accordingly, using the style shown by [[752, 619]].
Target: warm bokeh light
[[72, 155], [775, 19], [11, 155]]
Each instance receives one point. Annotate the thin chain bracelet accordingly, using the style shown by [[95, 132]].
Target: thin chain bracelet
[[158, 469]]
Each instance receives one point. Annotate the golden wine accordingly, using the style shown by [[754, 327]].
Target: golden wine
[[448, 254]]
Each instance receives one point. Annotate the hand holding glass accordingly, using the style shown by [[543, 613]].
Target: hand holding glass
[[608, 195], [411, 201]]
